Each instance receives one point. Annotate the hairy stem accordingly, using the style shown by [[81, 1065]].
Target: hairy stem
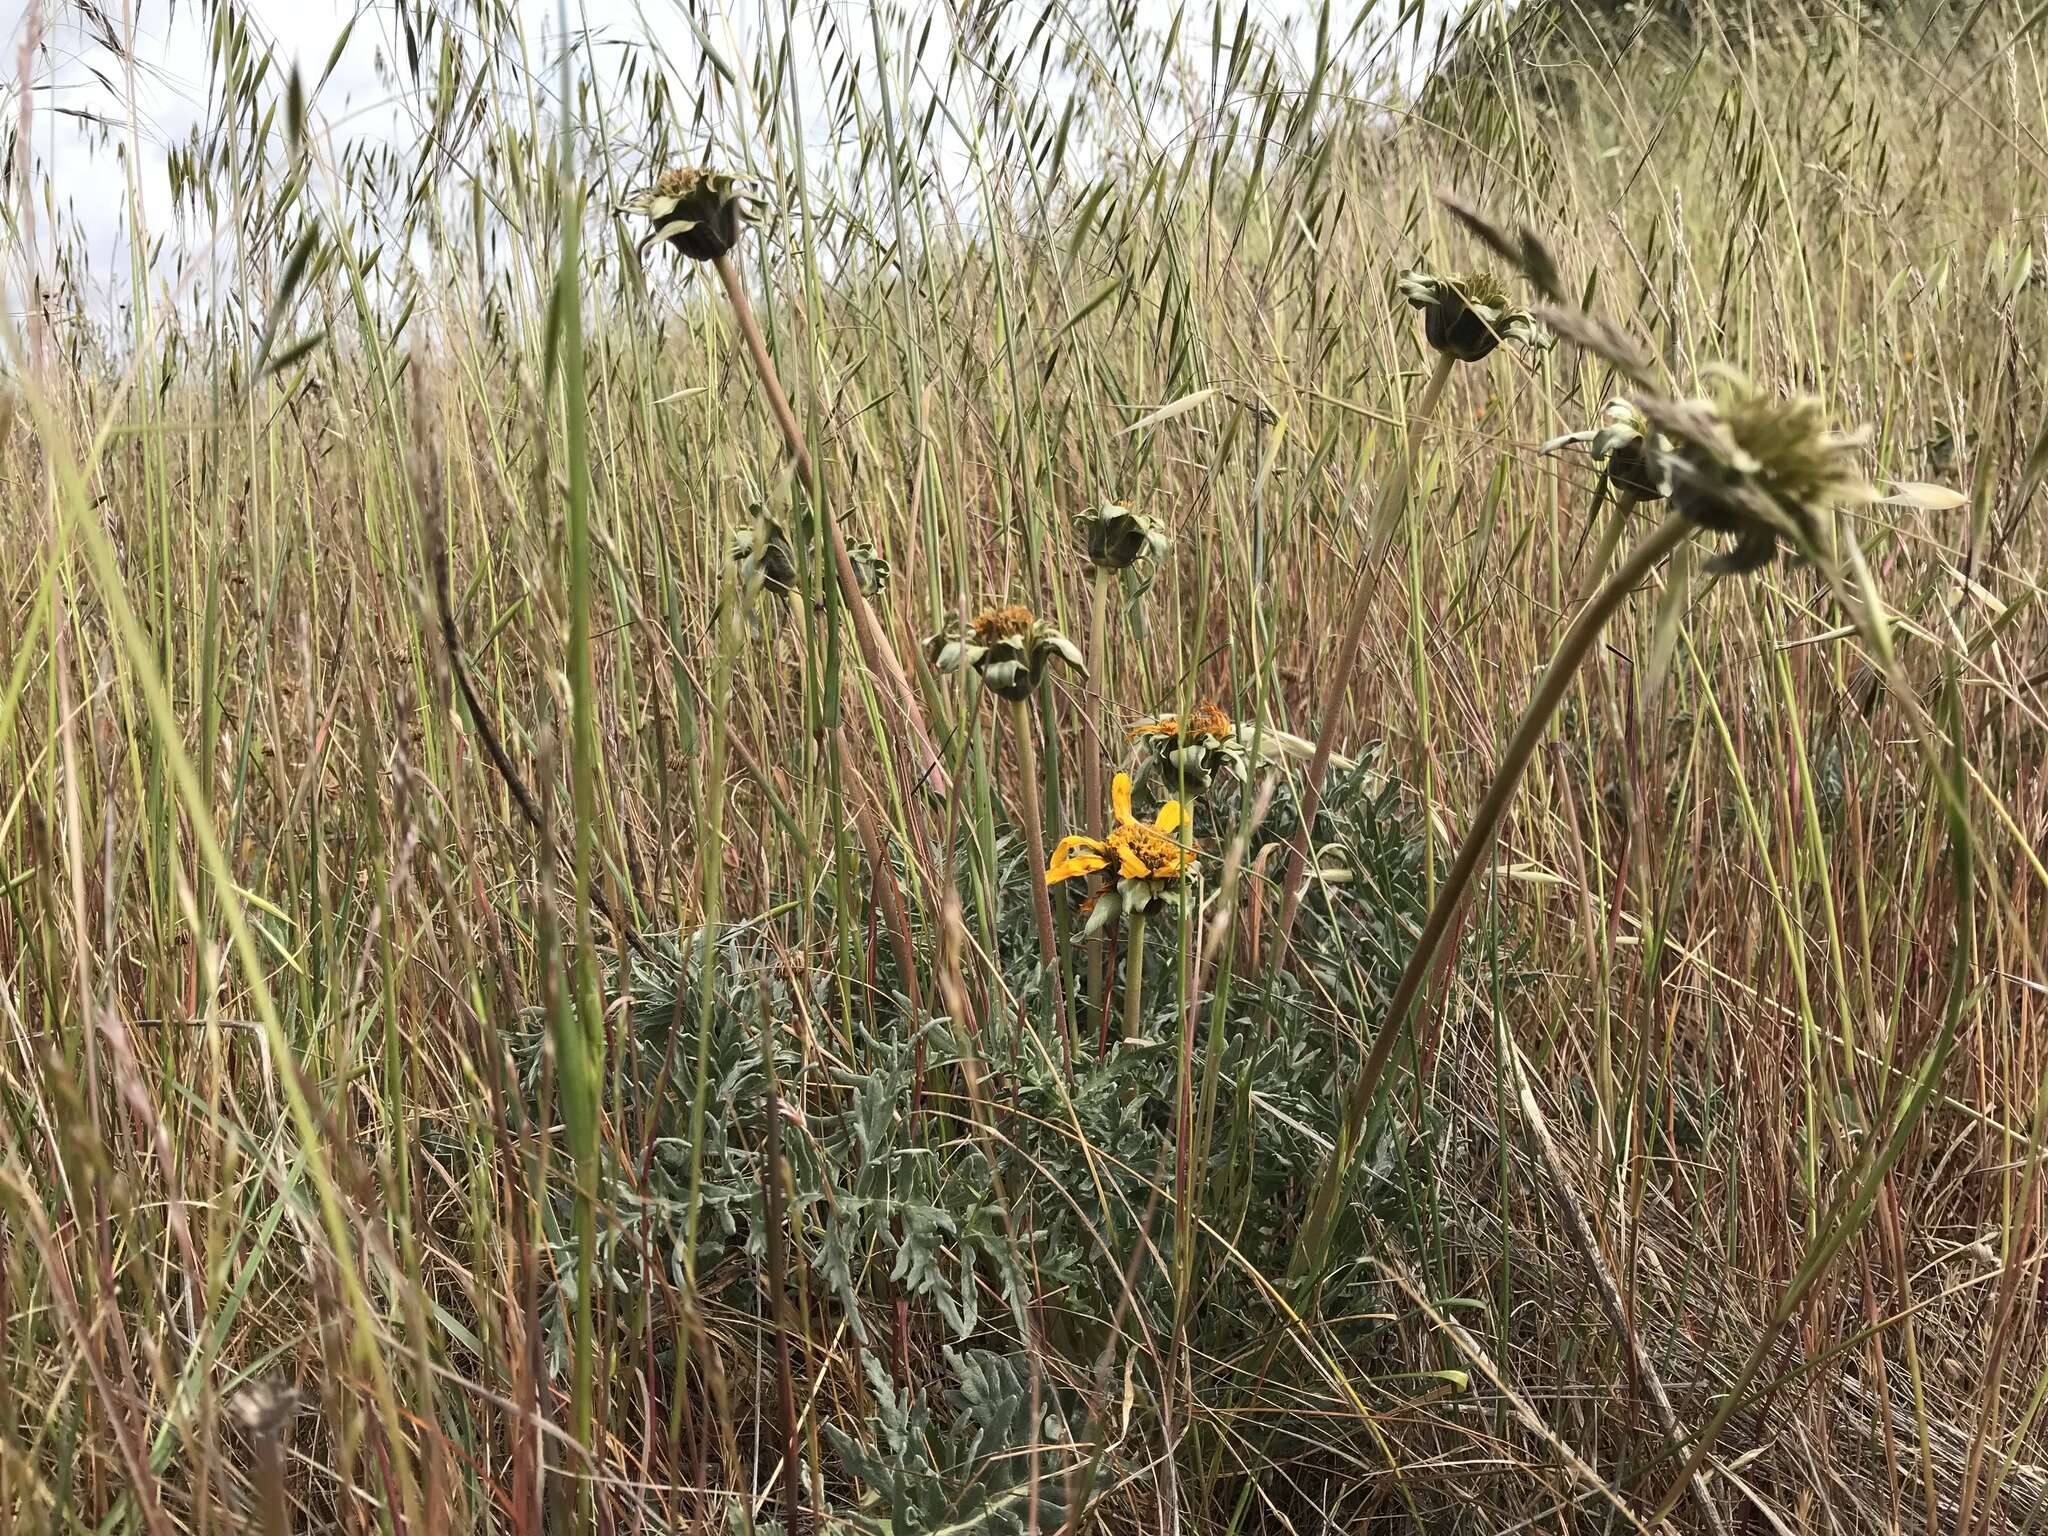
[[1134, 977], [1091, 774], [1034, 852]]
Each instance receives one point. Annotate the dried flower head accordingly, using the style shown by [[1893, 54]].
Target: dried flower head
[[762, 558], [1009, 650], [1115, 538], [870, 569], [1189, 751], [1625, 448], [698, 211], [1150, 864], [1467, 315], [1760, 466]]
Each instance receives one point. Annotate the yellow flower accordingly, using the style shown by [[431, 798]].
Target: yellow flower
[[1148, 863]]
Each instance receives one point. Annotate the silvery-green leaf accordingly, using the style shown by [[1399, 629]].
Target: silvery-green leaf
[[1108, 907]]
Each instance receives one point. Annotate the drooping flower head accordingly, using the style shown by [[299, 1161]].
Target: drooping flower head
[[1009, 650], [1188, 751], [761, 557], [1146, 866], [1467, 315], [1625, 447], [1760, 466], [1115, 538], [698, 211], [870, 569]]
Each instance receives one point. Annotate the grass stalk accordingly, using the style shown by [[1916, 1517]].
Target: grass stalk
[[875, 648], [1388, 504], [1572, 651]]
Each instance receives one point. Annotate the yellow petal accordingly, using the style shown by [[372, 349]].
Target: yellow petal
[[1120, 797], [1076, 856], [1130, 863], [1169, 817]]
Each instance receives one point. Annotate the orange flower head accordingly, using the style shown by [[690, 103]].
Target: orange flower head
[[1000, 624]]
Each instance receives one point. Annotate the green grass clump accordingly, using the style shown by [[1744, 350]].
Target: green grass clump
[[533, 998]]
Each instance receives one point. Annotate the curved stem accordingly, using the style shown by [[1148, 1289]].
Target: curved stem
[[1391, 498], [1610, 537], [1576, 645]]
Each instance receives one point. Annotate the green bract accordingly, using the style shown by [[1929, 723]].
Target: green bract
[[1467, 315], [1625, 447], [1115, 538], [1760, 466], [761, 558], [1009, 650], [698, 211]]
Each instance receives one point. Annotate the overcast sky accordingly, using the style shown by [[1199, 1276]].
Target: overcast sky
[[82, 90]]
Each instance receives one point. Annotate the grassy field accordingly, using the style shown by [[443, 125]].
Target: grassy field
[[530, 994]]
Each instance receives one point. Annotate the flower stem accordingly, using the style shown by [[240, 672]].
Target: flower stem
[[1091, 775], [875, 648], [1134, 977], [1610, 537], [1391, 497], [1034, 839], [1571, 653]]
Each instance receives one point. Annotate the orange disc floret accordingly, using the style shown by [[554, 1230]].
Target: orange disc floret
[[999, 624], [1145, 854], [1209, 720]]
